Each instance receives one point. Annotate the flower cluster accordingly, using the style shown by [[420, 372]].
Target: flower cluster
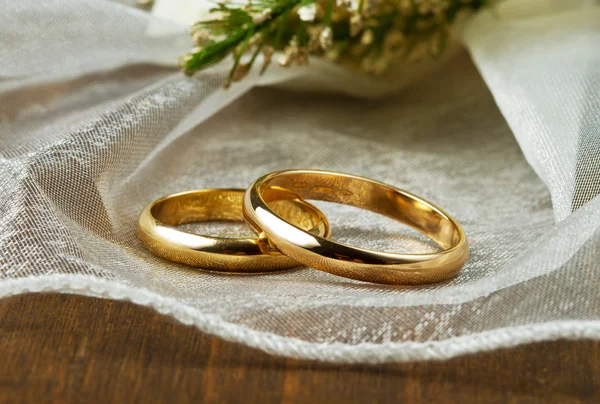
[[367, 35]]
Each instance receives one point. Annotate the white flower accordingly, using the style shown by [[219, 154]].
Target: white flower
[[350, 4], [307, 13], [326, 38], [262, 16]]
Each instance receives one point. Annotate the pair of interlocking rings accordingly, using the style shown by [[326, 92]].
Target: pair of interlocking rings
[[292, 232]]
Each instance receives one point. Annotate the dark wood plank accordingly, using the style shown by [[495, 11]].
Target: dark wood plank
[[72, 348]]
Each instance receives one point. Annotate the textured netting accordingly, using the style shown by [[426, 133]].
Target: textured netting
[[96, 122]]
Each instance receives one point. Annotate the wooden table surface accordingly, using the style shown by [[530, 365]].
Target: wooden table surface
[[64, 348]]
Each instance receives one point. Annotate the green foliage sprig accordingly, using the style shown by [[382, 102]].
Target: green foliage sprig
[[365, 34]]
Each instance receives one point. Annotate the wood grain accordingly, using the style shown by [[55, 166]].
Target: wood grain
[[63, 348]]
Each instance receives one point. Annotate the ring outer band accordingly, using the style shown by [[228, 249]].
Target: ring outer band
[[240, 255], [347, 261]]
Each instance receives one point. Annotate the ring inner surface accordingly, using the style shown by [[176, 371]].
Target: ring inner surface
[[225, 204], [199, 206], [370, 195]]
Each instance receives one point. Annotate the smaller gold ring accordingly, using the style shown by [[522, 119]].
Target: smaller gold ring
[[156, 232], [353, 262]]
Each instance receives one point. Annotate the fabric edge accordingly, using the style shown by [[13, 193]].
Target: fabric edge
[[273, 344]]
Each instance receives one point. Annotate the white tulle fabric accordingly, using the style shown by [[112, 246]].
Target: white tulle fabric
[[96, 121]]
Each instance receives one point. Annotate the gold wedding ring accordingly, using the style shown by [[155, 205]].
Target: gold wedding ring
[[352, 262], [155, 230]]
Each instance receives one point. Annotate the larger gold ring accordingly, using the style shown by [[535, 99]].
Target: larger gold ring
[[352, 262], [156, 232]]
